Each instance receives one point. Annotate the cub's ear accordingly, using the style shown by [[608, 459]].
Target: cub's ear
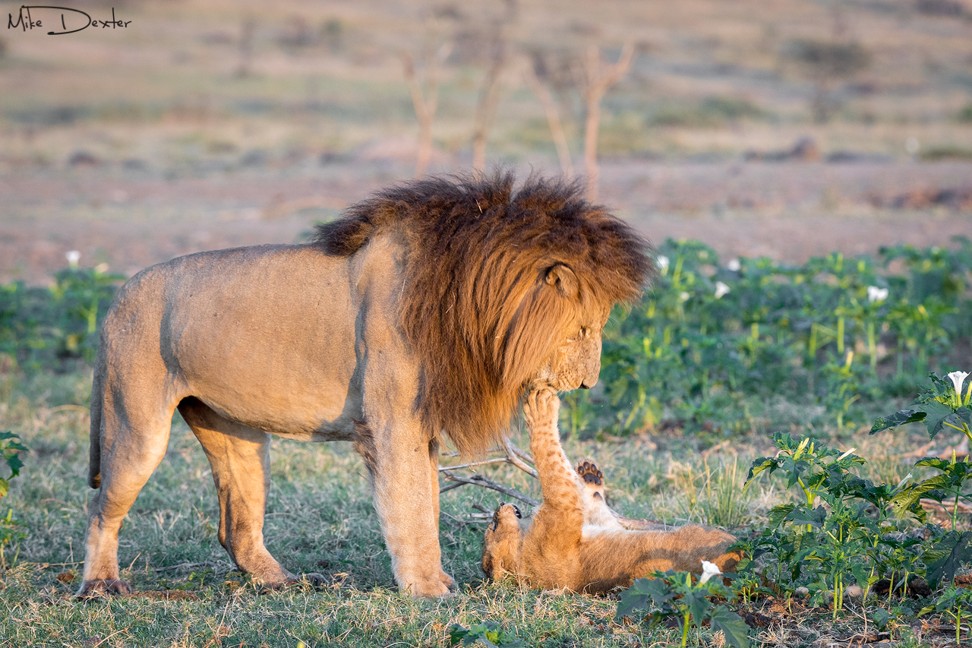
[[564, 280]]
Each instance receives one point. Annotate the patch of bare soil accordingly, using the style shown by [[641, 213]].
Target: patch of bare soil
[[789, 210]]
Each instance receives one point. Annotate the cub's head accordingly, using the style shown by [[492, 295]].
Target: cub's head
[[504, 537]]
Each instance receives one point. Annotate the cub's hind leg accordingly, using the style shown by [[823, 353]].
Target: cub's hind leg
[[240, 459], [596, 511]]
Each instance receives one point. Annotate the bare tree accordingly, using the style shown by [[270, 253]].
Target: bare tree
[[599, 77], [497, 50], [536, 78], [424, 88], [829, 61], [244, 65]]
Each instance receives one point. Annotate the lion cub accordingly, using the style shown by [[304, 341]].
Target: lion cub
[[574, 540]]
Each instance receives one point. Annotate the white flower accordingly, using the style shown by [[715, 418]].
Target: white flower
[[721, 290], [683, 296], [957, 378], [708, 571], [73, 257], [846, 454], [734, 265], [902, 482], [876, 295], [662, 262]]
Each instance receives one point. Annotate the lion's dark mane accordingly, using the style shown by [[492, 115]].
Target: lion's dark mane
[[475, 248]]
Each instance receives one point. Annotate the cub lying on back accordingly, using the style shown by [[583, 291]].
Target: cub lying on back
[[574, 540]]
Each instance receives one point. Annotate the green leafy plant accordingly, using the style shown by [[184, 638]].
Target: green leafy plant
[[49, 327], [955, 603], [943, 405], [10, 450], [691, 600], [719, 340], [487, 633], [838, 529]]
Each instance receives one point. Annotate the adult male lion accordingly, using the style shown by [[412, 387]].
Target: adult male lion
[[427, 308]]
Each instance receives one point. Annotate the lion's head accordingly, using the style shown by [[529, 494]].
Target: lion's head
[[502, 287]]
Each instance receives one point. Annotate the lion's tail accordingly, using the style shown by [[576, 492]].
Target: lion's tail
[[97, 400]]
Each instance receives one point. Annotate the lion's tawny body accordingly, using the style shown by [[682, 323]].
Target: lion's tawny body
[[427, 309]]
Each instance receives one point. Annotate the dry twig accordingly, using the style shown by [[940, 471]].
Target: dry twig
[[485, 482]]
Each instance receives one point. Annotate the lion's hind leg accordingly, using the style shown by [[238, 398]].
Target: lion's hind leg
[[240, 460], [131, 443]]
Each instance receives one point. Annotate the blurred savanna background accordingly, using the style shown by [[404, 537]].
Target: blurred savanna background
[[804, 168], [784, 129]]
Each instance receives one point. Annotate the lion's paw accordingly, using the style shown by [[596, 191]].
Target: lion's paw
[[590, 473], [101, 587], [312, 580], [431, 587], [447, 580], [309, 580]]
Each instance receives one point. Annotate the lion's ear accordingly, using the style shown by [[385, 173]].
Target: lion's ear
[[534, 330], [564, 280]]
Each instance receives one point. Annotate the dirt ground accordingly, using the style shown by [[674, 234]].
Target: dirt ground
[[784, 210]]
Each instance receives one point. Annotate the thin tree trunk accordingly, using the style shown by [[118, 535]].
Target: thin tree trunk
[[554, 123], [600, 77], [425, 101]]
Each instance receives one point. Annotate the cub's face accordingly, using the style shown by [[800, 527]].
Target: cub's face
[[501, 547]]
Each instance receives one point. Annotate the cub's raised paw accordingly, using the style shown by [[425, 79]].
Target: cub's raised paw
[[542, 406], [590, 473]]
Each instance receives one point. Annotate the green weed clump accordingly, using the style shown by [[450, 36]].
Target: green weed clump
[[10, 451], [679, 595], [843, 531], [713, 347], [47, 328]]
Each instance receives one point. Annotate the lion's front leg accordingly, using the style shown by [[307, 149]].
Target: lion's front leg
[[403, 468]]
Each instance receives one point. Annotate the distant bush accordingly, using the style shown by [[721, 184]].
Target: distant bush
[[829, 59], [709, 112], [953, 8], [946, 152], [965, 114], [825, 62]]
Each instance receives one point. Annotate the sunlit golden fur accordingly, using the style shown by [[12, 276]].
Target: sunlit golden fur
[[426, 309], [574, 541]]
